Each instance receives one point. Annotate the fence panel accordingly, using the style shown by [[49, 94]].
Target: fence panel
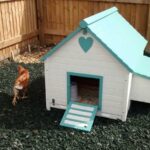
[[62, 17], [18, 25]]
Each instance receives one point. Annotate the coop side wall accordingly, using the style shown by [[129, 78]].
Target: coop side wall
[[97, 61], [140, 89]]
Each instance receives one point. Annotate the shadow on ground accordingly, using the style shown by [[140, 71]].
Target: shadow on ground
[[29, 113], [139, 108]]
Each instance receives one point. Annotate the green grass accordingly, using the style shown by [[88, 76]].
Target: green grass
[[30, 126]]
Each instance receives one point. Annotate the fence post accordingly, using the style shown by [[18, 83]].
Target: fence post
[[148, 25], [148, 31], [40, 8]]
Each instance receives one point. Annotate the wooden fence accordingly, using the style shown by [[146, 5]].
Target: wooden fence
[[27, 21], [18, 25], [60, 17]]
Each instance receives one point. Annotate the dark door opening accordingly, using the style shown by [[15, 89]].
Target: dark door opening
[[85, 89]]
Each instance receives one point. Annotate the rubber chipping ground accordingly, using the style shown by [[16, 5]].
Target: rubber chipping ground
[[28, 126]]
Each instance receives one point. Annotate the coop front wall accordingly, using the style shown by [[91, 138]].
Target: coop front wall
[[140, 89], [97, 61]]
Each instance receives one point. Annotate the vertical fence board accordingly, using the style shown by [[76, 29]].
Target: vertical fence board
[[16, 17], [40, 11], [34, 16], [147, 50], [148, 24], [66, 15], [140, 21], [1, 26], [18, 25]]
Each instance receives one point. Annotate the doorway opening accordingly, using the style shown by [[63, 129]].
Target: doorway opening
[[85, 88]]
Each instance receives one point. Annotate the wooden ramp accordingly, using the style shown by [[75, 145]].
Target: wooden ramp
[[79, 116]]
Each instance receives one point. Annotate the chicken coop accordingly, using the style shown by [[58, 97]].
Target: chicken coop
[[97, 70]]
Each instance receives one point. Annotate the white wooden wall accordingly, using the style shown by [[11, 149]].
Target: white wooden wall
[[97, 61], [140, 89]]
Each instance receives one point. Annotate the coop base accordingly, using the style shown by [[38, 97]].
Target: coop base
[[99, 113]]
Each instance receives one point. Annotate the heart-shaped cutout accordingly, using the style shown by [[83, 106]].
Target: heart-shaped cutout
[[85, 43]]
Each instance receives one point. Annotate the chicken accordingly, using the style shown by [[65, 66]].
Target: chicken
[[21, 84]]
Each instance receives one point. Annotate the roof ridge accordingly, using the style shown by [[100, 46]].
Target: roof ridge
[[92, 19]]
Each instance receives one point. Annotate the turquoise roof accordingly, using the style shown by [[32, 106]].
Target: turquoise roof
[[119, 38]]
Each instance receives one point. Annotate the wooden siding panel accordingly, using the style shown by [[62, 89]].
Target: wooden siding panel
[[140, 21], [140, 89]]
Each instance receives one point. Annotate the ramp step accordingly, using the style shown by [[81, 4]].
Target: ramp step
[[79, 116]]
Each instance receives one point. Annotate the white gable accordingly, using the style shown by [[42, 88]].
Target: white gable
[[71, 52], [97, 61]]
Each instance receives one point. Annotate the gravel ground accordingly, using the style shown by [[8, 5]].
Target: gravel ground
[[28, 126]]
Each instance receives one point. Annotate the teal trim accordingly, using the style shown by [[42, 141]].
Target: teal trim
[[100, 92], [140, 75], [100, 78], [83, 24], [89, 123], [68, 88], [85, 43], [71, 35], [65, 114], [92, 19]]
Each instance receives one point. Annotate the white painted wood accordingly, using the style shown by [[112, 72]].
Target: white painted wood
[[97, 61], [108, 115], [48, 98], [82, 107], [111, 110], [59, 106], [78, 118], [140, 89], [78, 112], [126, 103], [79, 124]]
